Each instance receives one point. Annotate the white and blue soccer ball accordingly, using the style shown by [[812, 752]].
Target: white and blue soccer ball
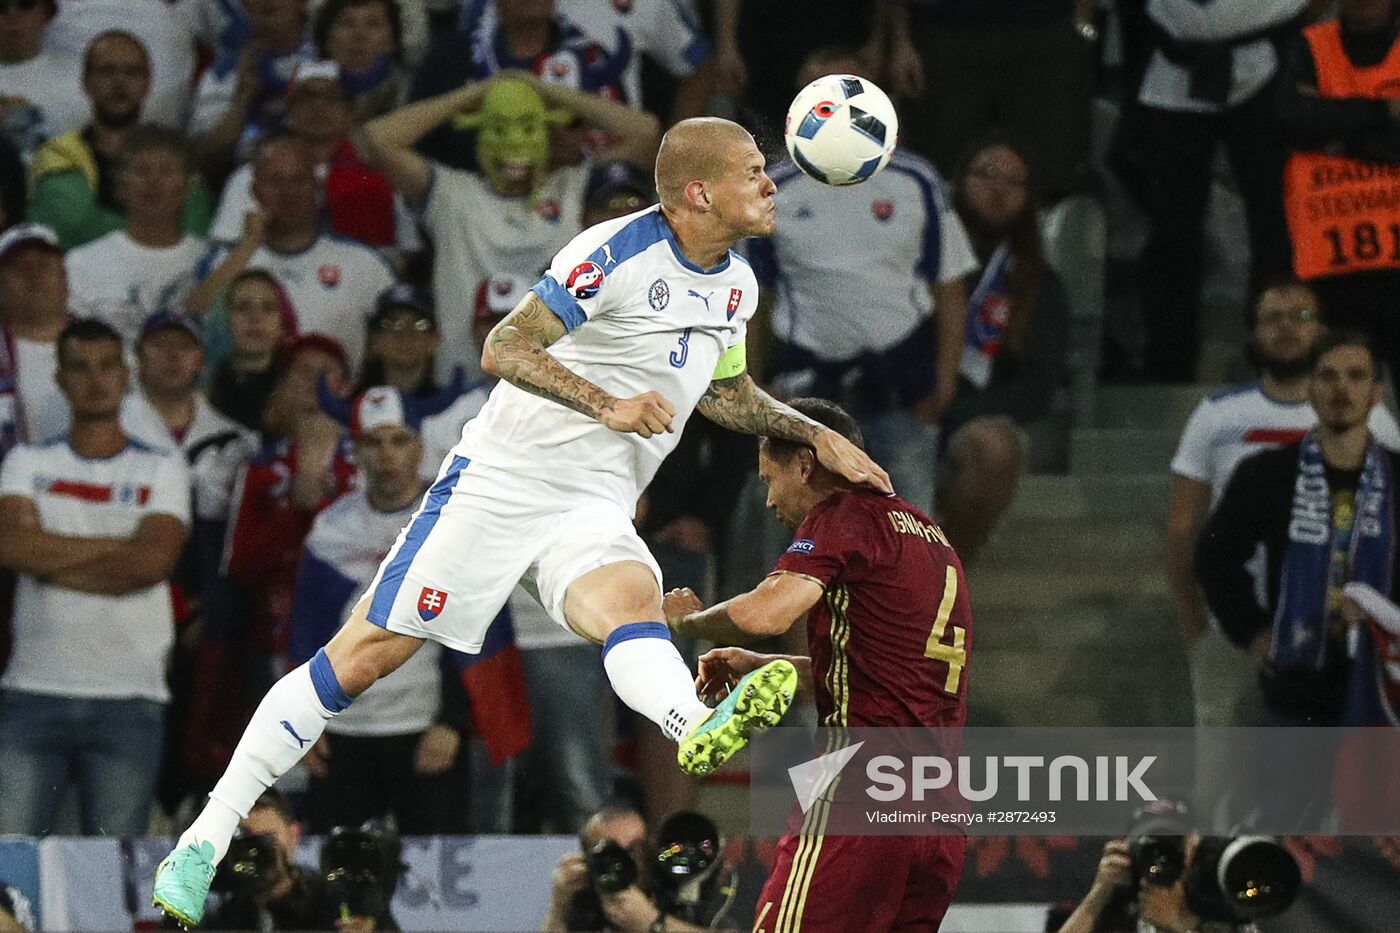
[[841, 129]]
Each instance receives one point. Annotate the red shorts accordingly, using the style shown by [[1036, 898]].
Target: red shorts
[[846, 883]]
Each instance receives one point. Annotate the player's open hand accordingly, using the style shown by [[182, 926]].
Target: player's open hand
[[721, 668], [646, 414], [680, 603], [845, 459]]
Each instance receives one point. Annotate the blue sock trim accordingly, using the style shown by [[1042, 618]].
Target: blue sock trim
[[635, 630], [333, 696]]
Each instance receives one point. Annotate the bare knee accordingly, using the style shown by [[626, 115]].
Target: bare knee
[[617, 594], [362, 652]]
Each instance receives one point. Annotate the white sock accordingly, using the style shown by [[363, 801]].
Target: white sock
[[288, 721], [650, 676]]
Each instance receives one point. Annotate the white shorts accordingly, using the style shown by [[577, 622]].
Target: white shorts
[[479, 532]]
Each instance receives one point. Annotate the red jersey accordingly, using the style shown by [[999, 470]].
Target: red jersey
[[890, 641]]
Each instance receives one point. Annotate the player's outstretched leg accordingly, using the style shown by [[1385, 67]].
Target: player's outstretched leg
[[651, 677], [757, 701], [288, 721]]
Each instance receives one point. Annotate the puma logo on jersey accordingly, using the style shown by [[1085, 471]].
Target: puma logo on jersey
[[301, 743], [704, 298], [608, 259]]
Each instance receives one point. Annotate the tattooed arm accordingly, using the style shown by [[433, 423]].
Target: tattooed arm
[[740, 405], [517, 350]]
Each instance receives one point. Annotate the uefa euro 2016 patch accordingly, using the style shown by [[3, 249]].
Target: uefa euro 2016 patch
[[585, 281], [802, 546]]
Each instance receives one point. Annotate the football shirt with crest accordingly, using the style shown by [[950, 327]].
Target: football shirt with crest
[[640, 317]]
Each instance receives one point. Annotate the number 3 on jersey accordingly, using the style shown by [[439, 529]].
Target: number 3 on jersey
[[681, 353], [955, 654]]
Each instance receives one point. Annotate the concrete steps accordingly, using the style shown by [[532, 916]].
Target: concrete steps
[[1122, 451], [1146, 406], [1074, 498]]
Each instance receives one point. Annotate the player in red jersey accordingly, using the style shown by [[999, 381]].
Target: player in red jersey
[[889, 633]]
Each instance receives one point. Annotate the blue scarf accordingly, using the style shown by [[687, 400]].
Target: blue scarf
[[988, 314], [1300, 624]]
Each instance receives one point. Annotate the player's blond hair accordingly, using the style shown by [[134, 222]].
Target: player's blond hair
[[697, 149]]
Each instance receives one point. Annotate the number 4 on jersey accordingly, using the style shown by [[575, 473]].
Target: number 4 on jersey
[[955, 654]]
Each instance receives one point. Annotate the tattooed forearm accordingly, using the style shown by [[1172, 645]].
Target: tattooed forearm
[[740, 405], [517, 351]]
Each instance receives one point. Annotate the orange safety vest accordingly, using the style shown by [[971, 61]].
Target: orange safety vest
[[1344, 214]]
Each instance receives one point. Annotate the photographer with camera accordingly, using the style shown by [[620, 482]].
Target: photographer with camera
[[361, 868], [1163, 879], [621, 881], [262, 887]]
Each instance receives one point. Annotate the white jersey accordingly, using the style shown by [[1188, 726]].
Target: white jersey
[[71, 642], [122, 282], [1242, 421], [852, 266], [640, 317]]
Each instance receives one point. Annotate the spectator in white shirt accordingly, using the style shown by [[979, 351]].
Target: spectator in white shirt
[[358, 201], [331, 282], [33, 312], [166, 30], [40, 92], [93, 523], [870, 307], [241, 94], [1227, 427], [128, 275], [516, 213]]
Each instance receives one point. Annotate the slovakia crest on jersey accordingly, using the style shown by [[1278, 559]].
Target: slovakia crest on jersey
[[585, 281], [736, 295], [329, 275], [882, 209], [431, 602]]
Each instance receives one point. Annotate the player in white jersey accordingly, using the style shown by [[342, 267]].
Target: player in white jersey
[[638, 322]]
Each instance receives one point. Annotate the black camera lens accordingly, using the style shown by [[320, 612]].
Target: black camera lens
[[249, 868], [1242, 879], [611, 868], [1158, 860], [687, 846]]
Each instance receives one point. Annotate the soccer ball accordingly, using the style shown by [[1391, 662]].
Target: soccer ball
[[841, 129]]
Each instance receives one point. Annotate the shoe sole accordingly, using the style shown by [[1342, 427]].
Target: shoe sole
[[762, 702], [179, 916]]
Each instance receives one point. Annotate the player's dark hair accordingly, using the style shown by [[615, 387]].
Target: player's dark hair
[[84, 330], [272, 799], [1336, 339], [828, 414]]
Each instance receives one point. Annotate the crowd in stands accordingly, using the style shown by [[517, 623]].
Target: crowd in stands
[[251, 250]]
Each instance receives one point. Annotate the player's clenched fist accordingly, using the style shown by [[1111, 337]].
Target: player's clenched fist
[[645, 414]]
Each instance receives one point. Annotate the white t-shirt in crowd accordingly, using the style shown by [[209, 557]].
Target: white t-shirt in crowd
[[478, 233], [54, 103], [43, 408], [332, 285], [665, 31], [1242, 421], [1167, 85], [215, 446], [852, 266], [347, 542], [237, 200], [122, 282], [77, 644], [167, 30]]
